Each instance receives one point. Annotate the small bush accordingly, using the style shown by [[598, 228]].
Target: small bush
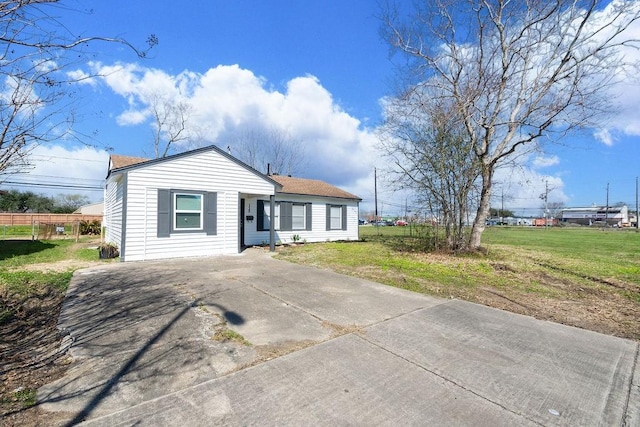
[[91, 228], [108, 250]]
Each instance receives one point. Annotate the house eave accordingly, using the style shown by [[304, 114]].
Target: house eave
[[324, 196]]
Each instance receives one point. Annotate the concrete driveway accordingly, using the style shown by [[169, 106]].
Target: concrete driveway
[[325, 349]]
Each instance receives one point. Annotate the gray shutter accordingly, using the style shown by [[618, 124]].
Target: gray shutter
[[260, 215], [211, 213], [344, 217], [328, 217], [307, 211], [286, 216], [164, 213]]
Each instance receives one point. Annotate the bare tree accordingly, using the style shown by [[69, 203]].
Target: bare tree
[[554, 209], [36, 93], [170, 123], [516, 71], [432, 155], [273, 149]]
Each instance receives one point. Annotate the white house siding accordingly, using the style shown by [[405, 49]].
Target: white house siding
[[204, 171], [112, 220], [318, 232]]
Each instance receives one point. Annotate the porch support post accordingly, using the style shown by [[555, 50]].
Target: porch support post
[[272, 232]]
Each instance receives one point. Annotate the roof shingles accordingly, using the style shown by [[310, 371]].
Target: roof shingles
[[310, 187], [118, 161], [290, 185]]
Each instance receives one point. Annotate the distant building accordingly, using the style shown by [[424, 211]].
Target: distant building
[[92, 209], [615, 216], [509, 221], [545, 222]]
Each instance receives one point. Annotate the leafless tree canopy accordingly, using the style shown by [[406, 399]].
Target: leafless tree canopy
[[515, 70], [431, 154], [272, 149], [36, 94], [170, 123]]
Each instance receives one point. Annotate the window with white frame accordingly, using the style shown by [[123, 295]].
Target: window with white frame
[[188, 211], [298, 216], [288, 216], [266, 220], [336, 218]]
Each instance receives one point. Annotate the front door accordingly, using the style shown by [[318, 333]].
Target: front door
[[241, 223]]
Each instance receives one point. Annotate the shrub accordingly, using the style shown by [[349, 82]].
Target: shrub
[[90, 227]]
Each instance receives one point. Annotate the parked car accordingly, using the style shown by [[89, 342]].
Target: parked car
[[401, 223]]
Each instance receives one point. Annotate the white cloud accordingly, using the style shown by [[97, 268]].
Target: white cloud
[[82, 77], [228, 100], [604, 136], [625, 91], [523, 190], [45, 66], [545, 161], [132, 117], [68, 170]]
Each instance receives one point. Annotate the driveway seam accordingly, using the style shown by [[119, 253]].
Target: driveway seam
[[285, 301], [315, 316], [424, 368]]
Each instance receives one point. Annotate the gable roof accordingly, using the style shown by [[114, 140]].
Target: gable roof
[[310, 187], [118, 163]]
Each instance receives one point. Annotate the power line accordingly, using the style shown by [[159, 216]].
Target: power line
[[43, 185], [42, 156], [62, 177]]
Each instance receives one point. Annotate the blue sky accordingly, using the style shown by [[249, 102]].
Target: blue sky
[[317, 70]]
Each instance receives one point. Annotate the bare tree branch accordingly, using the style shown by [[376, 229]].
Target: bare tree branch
[[36, 92], [516, 71], [274, 147], [170, 123]]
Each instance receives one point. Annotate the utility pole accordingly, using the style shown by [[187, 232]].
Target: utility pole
[[375, 192], [546, 204], [637, 213], [405, 210]]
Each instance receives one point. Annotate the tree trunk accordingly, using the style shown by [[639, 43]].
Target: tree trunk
[[483, 209]]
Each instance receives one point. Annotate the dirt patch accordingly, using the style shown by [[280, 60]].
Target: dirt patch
[[58, 266], [31, 348], [31, 357], [268, 352], [573, 304]]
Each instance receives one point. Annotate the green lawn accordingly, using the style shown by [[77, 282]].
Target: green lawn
[[580, 272], [19, 281], [12, 231], [585, 251]]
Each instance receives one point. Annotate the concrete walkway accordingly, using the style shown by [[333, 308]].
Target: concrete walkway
[[326, 349]]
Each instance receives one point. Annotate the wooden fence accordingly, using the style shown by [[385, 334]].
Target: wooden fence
[[30, 218]]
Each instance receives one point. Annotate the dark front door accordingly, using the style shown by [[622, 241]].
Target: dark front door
[[241, 223]]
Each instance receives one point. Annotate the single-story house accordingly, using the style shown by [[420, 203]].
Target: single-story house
[[206, 202]]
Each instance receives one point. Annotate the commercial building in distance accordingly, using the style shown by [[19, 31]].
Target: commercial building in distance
[[594, 215]]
